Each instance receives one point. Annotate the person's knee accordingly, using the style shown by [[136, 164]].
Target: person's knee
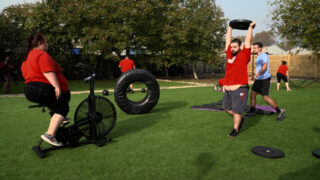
[[253, 94], [229, 112], [61, 108], [266, 98]]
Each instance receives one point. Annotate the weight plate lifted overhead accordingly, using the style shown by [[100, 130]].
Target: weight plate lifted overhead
[[241, 24]]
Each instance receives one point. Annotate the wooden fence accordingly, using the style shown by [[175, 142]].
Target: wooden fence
[[298, 65]]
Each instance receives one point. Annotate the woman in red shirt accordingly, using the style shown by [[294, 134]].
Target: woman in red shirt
[[45, 84], [283, 73]]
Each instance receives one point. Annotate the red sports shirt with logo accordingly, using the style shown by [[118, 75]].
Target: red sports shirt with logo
[[236, 67]]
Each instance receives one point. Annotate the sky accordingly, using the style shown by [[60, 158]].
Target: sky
[[255, 10]]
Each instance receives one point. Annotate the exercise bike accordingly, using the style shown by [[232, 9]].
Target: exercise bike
[[94, 118]]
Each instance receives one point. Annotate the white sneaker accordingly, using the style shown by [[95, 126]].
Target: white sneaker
[[66, 121], [51, 140]]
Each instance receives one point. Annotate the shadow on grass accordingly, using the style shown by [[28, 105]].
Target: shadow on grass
[[311, 172], [204, 163], [316, 129], [168, 106], [252, 121], [136, 123]]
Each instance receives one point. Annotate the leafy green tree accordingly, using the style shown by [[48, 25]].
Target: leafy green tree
[[161, 33], [267, 38], [299, 22], [13, 20], [194, 32]]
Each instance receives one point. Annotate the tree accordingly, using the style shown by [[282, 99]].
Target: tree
[[298, 21], [195, 32], [13, 20], [286, 45], [265, 37], [162, 33]]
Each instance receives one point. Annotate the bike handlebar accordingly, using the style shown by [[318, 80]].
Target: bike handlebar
[[91, 77]]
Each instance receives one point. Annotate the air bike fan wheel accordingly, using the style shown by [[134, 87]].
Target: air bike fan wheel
[[105, 117]]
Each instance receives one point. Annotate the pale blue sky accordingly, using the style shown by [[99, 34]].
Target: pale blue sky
[[256, 10]]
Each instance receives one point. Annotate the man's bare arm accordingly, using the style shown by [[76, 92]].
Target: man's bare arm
[[228, 37], [264, 67], [247, 42]]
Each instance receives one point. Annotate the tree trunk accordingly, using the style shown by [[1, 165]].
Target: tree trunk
[[195, 76], [167, 72]]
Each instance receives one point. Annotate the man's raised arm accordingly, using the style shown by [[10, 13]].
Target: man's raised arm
[[247, 42], [228, 37]]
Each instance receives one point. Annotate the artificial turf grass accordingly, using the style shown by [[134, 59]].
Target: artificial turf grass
[[16, 87], [170, 142]]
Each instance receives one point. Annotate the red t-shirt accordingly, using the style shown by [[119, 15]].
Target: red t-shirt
[[126, 65], [220, 82], [38, 62], [236, 67], [283, 69]]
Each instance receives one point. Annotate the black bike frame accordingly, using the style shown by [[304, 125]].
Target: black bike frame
[[92, 108]]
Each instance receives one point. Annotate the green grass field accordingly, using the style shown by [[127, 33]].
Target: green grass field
[[16, 87], [171, 142]]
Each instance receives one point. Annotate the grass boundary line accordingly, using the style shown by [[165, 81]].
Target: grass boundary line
[[192, 85]]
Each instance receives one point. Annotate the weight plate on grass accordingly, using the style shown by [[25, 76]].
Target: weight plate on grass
[[267, 152], [241, 24], [316, 153]]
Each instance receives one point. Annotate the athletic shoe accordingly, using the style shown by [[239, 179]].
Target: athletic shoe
[[51, 140], [66, 121], [281, 116], [233, 133], [243, 121]]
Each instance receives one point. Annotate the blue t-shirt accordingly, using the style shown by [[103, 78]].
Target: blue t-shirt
[[262, 59]]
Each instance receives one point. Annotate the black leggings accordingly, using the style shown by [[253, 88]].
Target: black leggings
[[44, 94]]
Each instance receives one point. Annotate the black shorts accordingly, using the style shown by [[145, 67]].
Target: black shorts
[[262, 86], [236, 100], [281, 76], [44, 94]]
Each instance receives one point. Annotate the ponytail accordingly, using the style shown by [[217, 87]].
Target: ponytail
[[33, 41]]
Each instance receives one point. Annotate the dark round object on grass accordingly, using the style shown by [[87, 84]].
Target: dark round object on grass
[[143, 90], [316, 153], [241, 24], [105, 92], [267, 152], [148, 102]]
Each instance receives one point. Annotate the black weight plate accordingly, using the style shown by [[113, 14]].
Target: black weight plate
[[267, 152], [241, 24]]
